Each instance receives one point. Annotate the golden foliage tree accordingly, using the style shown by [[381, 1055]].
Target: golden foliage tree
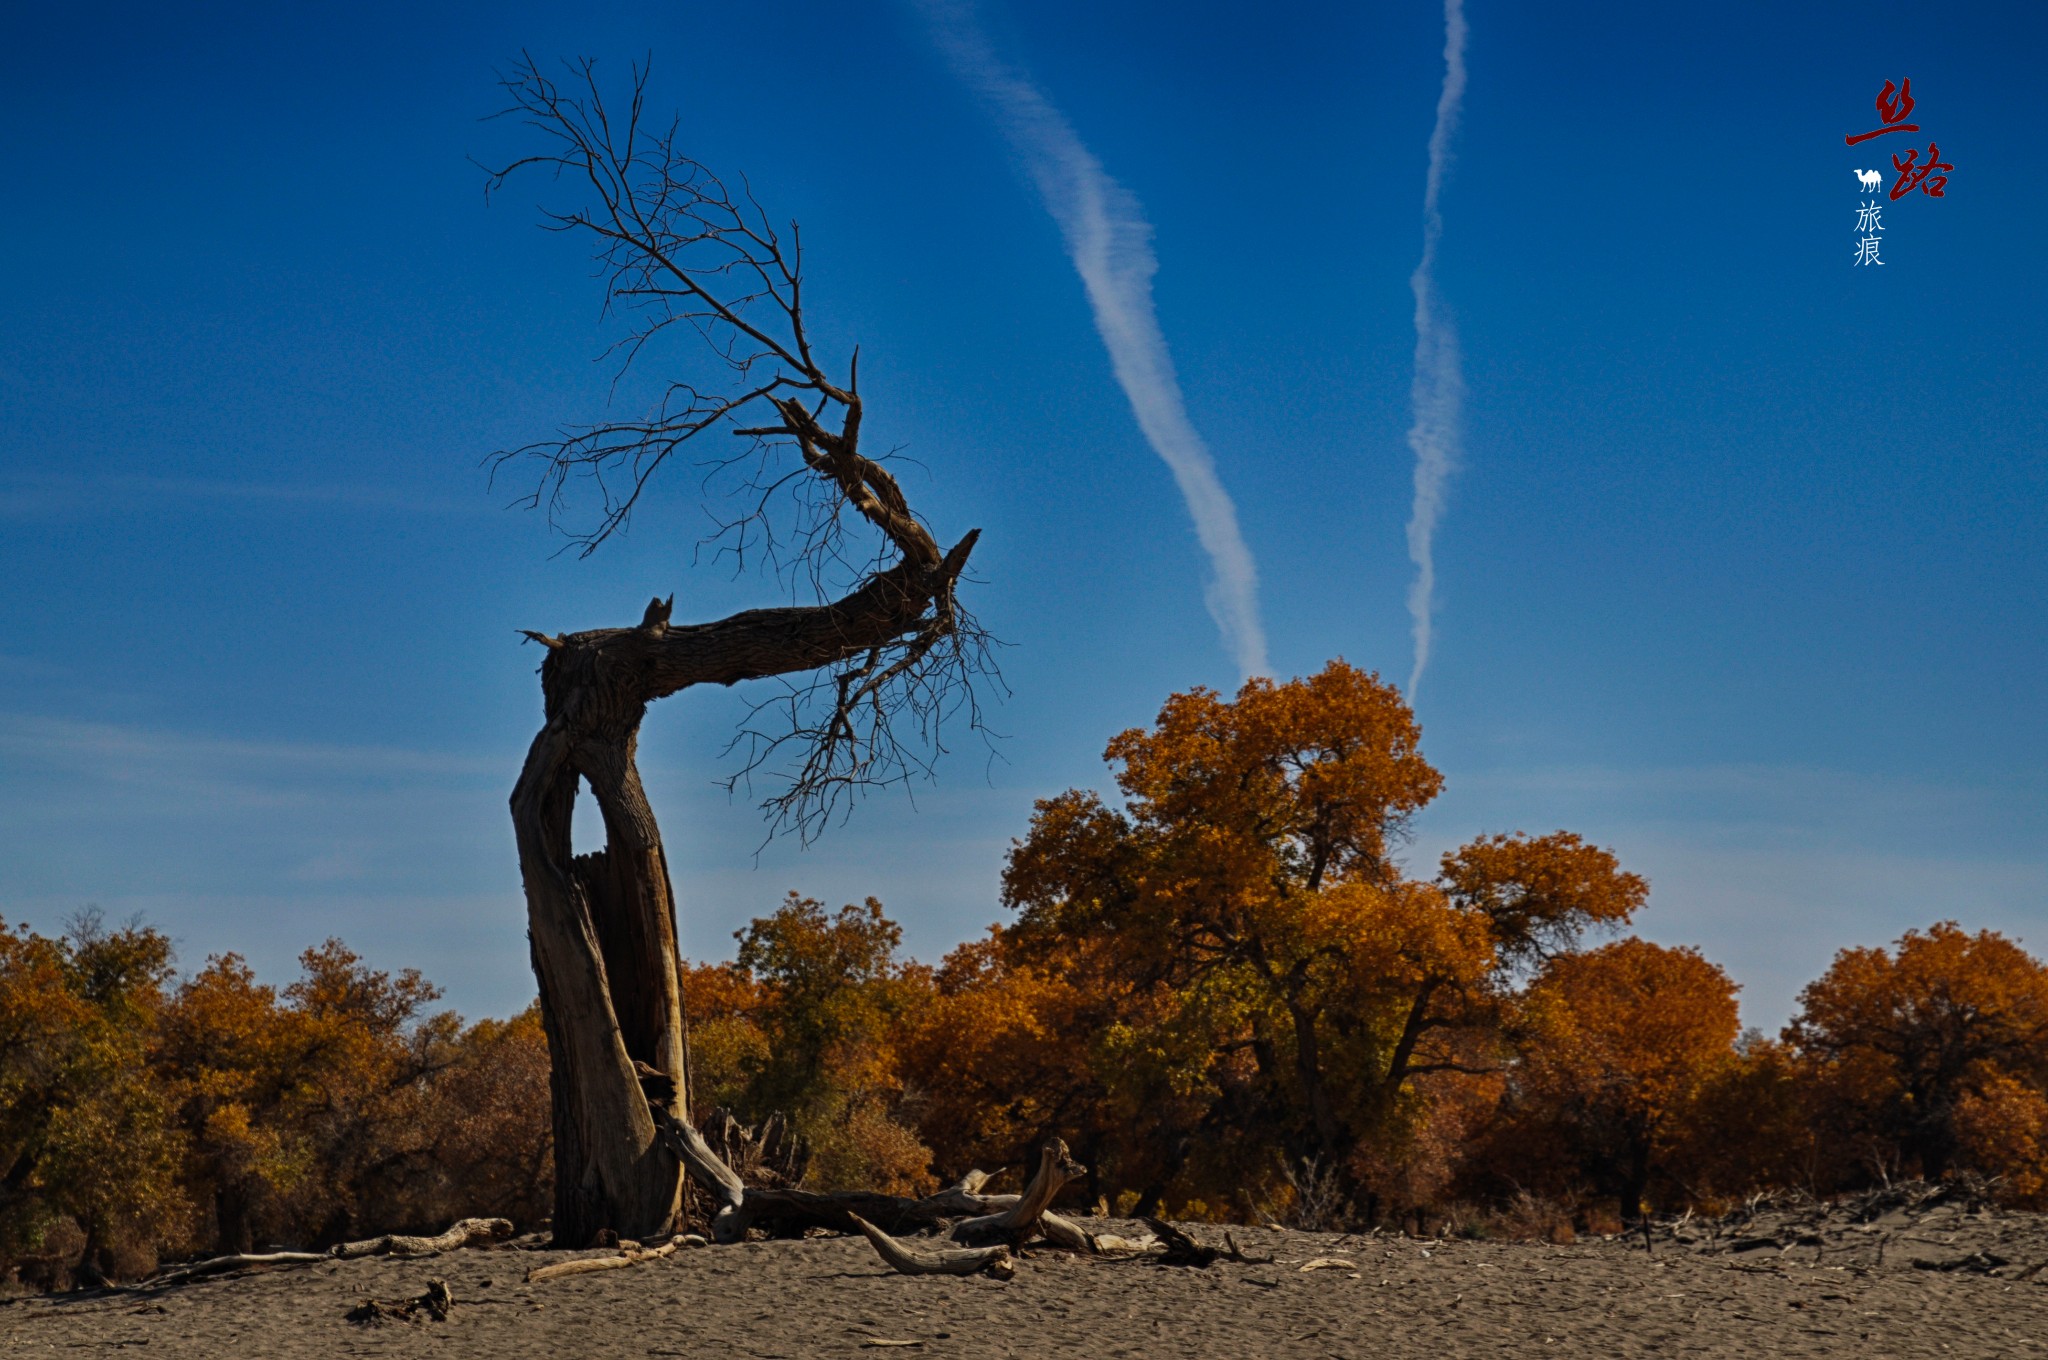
[[290, 1103], [1619, 1043], [808, 1021], [86, 1139], [1921, 1049], [1278, 983]]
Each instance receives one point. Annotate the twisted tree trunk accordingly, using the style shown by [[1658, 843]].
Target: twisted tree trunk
[[675, 248], [602, 926]]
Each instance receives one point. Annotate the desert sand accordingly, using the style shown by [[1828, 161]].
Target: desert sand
[[1944, 1279]]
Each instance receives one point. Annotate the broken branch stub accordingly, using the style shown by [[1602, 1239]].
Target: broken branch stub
[[1022, 1220]]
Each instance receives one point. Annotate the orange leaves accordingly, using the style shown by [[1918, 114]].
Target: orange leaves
[[1618, 1045], [291, 1101], [1944, 997], [1319, 774], [2002, 1130], [1633, 1026], [999, 1058], [1905, 1039], [809, 1022], [1541, 893]]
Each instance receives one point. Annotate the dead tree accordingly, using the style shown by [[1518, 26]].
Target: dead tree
[[877, 657]]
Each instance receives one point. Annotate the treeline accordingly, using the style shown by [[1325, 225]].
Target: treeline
[[1227, 997], [1222, 990], [143, 1116]]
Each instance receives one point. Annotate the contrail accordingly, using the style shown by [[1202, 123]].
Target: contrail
[[1438, 390], [1111, 245]]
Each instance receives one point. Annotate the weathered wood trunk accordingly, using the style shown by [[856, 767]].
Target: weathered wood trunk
[[675, 249], [603, 934], [602, 926]]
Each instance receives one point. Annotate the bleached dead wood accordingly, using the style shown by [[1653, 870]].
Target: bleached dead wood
[[1006, 1220], [628, 1256], [437, 1303], [238, 1261], [906, 1260], [742, 1206], [468, 1232], [1022, 1220], [709, 1170], [1183, 1250], [1064, 1232], [795, 1210]]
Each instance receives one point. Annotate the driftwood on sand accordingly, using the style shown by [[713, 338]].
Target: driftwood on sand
[[1024, 1219], [630, 1254], [466, 1233], [988, 1240], [1183, 1250], [991, 1219], [906, 1260], [985, 1232]]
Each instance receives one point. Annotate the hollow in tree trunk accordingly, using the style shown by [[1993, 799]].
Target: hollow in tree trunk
[[885, 643]]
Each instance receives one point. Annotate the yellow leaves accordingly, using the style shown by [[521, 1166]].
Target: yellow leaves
[[1540, 893], [1634, 1027], [2002, 1130], [1905, 1040], [82, 1130], [1306, 780], [1942, 991]]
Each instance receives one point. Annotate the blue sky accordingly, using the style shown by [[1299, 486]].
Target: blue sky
[[1740, 574]]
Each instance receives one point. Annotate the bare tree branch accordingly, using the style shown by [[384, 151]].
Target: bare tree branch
[[677, 248]]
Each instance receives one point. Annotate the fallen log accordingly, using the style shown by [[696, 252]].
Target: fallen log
[[1008, 1220], [467, 1232], [1064, 1232], [1183, 1250], [709, 1170], [238, 1261], [629, 1256], [905, 1260], [791, 1212]]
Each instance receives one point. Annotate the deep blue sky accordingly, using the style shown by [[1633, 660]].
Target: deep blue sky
[[1741, 575]]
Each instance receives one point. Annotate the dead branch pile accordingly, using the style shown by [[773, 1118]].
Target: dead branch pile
[[630, 1254], [985, 1231], [437, 1303], [1954, 1225]]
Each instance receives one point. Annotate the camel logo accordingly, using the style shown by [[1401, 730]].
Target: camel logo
[[1871, 179]]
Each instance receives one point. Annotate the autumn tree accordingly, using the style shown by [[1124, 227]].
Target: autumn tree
[[882, 655], [1922, 1049], [86, 1137], [1618, 1044], [1246, 906], [479, 1144], [1005, 1055], [837, 1005], [300, 1109]]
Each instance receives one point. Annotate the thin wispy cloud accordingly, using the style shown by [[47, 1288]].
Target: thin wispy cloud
[[1438, 391], [1110, 243], [33, 495]]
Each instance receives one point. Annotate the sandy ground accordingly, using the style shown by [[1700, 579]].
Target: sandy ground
[[1948, 1282]]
